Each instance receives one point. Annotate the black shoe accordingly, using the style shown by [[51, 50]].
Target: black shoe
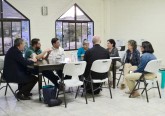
[[22, 97], [29, 94]]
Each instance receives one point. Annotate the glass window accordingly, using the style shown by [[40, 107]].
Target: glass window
[[90, 33], [16, 30], [78, 35], [73, 27], [1, 39], [26, 33], [65, 40], [84, 31], [7, 36], [80, 15], [10, 12], [59, 30], [69, 15], [15, 25], [0, 8], [71, 33]]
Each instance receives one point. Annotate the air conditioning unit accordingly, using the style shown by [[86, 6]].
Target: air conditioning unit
[[44, 10]]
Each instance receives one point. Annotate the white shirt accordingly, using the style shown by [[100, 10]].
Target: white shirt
[[57, 53]]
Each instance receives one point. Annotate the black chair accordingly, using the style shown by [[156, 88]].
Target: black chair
[[121, 73], [2, 80], [122, 54], [151, 67]]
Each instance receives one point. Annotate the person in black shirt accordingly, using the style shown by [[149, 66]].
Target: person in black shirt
[[95, 53]]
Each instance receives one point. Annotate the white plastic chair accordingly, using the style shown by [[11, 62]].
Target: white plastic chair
[[75, 70], [152, 66], [100, 66]]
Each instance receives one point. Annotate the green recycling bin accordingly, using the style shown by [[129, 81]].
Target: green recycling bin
[[163, 78]]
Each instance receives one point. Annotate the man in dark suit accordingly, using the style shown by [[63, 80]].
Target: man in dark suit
[[95, 53], [15, 70]]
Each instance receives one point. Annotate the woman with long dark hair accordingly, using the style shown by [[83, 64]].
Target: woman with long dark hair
[[113, 52]]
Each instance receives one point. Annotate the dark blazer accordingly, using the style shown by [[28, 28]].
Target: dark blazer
[[95, 53], [15, 66], [135, 61]]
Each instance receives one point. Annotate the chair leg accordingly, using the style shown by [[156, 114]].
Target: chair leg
[[44, 80], [0, 81], [6, 89], [64, 96], [57, 93], [1, 78], [77, 92], [48, 81], [12, 92], [110, 89], [92, 92], [134, 89], [158, 89], [138, 85], [146, 90], [85, 93], [143, 89], [119, 79]]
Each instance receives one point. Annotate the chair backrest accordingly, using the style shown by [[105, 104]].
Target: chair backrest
[[122, 55], [153, 66], [74, 69], [101, 66]]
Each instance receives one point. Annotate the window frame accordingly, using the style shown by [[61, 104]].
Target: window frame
[[11, 20], [76, 22]]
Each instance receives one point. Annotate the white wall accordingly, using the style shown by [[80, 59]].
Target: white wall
[[139, 19], [43, 27], [118, 19]]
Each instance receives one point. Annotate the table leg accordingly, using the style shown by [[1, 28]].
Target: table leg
[[114, 74], [39, 85]]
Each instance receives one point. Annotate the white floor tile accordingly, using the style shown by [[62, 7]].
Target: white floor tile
[[120, 105]]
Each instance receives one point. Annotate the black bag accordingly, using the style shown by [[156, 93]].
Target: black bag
[[95, 87], [54, 102], [49, 92]]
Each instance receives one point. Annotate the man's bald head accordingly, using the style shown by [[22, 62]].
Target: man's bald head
[[96, 39]]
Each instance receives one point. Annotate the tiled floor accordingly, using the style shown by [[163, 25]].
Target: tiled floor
[[120, 105]]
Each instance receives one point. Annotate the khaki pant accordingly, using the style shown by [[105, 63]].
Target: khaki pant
[[131, 78], [127, 68]]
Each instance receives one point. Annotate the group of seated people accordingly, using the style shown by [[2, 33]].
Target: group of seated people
[[15, 64]]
